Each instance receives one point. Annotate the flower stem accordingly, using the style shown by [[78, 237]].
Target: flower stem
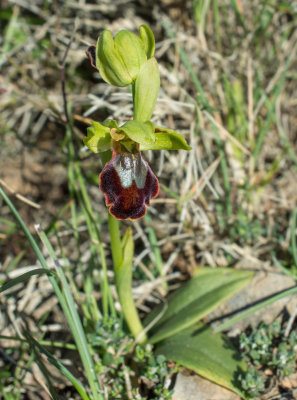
[[115, 241], [122, 255]]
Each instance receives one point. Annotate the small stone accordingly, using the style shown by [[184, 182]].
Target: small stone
[[286, 383], [194, 387]]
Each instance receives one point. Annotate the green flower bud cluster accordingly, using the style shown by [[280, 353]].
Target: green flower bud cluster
[[119, 60], [129, 59]]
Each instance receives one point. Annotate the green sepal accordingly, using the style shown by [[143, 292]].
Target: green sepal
[[109, 62], [98, 138], [110, 123], [131, 50], [146, 89], [166, 139], [140, 132], [148, 40]]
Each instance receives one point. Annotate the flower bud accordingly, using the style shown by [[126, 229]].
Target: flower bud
[[119, 60]]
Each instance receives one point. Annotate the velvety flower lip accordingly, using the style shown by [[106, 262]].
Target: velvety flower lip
[[128, 184]]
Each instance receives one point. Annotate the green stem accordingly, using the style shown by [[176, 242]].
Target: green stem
[[115, 242], [122, 255]]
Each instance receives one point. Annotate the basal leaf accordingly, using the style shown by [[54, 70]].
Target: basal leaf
[[211, 356], [98, 138], [166, 139], [194, 300]]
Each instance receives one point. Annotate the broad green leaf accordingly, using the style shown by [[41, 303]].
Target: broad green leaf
[[148, 40], [211, 356], [139, 132], [194, 300], [166, 139], [146, 89], [98, 138], [23, 277]]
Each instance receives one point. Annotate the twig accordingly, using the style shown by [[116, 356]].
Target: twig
[[62, 75], [225, 134], [19, 196], [290, 322], [127, 382]]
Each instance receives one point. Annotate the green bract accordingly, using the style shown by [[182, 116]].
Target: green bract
[[146, 89]]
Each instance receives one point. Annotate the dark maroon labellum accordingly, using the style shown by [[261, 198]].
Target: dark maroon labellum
[[128, 184]]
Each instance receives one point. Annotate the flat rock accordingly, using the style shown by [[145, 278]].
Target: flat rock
[[263, 285], [196, 388]]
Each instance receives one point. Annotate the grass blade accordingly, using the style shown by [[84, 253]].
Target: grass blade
[[26, 275], [76, 325], [76, 384]]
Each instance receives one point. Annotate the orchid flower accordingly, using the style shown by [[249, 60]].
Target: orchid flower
[[126, 180], [128, 184]]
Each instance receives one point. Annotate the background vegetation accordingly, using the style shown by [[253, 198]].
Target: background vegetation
[[228, 84]]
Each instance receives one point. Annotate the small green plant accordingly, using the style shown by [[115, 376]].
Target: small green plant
[[267, 347], [127, 368], [252, 382]]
